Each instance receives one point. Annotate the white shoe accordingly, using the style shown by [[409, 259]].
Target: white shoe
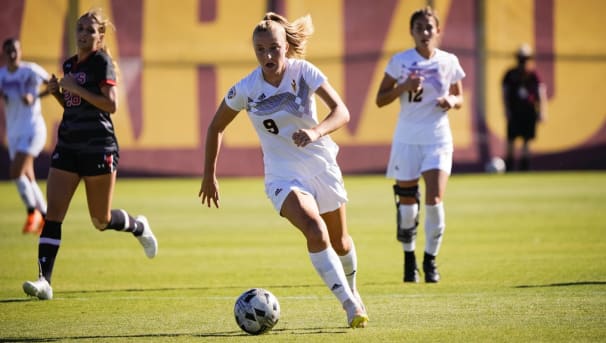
[[41, 289], [356, 315], [359, 298], [147, 239]]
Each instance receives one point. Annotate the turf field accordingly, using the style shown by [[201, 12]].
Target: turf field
[[523, 260]]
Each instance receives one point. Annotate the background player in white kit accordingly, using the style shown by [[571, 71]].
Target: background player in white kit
[[302, 178], [428, 83], [20, 84]]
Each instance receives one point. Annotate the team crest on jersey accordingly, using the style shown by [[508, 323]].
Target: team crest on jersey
[[231, 93], [262, 97]]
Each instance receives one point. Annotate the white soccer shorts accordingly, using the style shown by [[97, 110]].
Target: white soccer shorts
[[327, 189], [409, 161], [31, 143]]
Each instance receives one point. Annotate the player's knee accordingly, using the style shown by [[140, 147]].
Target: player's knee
[[341, 245], [99, 224], [315, 232], [407, 192], [408, 216]]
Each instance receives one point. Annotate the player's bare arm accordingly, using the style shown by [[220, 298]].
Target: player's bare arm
[[209, 189], [336, 118]]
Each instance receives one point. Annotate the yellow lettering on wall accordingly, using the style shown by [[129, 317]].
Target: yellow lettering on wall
[[43, 46], [575, 111], [175, 43]]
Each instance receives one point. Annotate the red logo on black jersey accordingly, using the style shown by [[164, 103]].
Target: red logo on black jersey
[[109, 161]]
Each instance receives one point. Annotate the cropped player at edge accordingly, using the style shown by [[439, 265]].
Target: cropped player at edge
[[427, 81], [302, 178], [20, 84]]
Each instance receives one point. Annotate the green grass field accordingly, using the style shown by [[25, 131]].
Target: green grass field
[[523, 260]]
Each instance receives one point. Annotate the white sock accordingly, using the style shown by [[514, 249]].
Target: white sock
[[24, 186], [350, 265], [435, 224], [408, 214], [40, 200], [329, 268]]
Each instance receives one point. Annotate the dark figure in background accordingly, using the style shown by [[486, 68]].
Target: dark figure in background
[[524, 99]]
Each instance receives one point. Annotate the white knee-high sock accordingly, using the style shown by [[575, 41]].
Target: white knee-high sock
[[350, 265], [435, 224], [408, 214], [329, 268], [24, 186], [40, 200]]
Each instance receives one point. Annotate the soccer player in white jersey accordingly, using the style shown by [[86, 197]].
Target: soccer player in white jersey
[[302, 178], [20, 84], [427, 81]]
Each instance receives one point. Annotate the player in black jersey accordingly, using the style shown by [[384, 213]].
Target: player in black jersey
[[87, 149]]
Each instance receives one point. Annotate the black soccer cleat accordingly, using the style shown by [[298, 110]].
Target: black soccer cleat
[[411, 275], [411, 272], [429, 269]]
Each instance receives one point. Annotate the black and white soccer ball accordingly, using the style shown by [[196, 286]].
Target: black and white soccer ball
[[257, 311], [496, 165]]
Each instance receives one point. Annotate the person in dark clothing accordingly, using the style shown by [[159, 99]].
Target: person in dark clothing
[[524, 100]]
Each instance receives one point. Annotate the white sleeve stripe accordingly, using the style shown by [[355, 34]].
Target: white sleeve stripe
[[51, 241]]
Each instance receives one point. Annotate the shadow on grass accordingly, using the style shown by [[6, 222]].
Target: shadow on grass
[[276, 332], [170, 289], [165, 289], [564, 284], [16, 300]]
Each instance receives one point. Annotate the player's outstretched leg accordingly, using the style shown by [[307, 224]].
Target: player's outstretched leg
[[329, 267], [120, 220], [147, 238]]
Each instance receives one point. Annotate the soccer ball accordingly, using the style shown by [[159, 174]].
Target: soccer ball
[[257, 311], [496, 165]]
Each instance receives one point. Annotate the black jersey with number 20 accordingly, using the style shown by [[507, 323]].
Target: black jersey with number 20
[[84, 127]]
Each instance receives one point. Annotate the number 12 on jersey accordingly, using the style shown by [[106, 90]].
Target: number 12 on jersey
[[415, 96]]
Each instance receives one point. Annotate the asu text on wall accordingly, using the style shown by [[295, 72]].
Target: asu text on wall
[[178, 59]]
